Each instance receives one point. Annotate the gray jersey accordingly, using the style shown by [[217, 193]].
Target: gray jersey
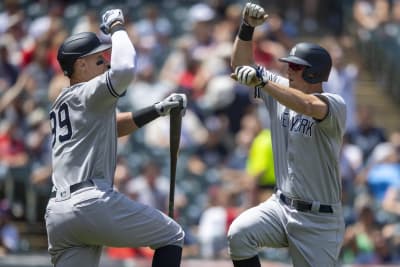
[[307, 168], [83, 121], [83, 144]]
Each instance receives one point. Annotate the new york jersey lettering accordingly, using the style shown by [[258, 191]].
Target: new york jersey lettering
[[297, 124]]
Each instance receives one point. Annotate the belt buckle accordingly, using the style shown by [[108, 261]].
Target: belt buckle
[[63, 194]]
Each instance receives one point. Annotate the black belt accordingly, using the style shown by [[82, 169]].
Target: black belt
[[301, 205], [76, 187]]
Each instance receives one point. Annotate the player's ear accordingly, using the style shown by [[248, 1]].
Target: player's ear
[[82, 63], [79, 65]]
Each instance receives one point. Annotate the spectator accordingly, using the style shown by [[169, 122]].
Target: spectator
[[384, 173], [150, 187], [88, 22], [16, 38], [13, 152], [359, 241], [215, 220], [147, 87], [392, 28], [40, 69], [382, 169], [123, 174], [350, 164], [391, 231], [369, 15], [153, 31], [342, 79], [9, 234], [8, 71], [214, 152], [366, 134], [193, 135], [183, 67], [38, 142], [260, 166], [11, 8], [49, 22]]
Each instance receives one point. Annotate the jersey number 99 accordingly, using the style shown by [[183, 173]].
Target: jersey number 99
[[60, 121]]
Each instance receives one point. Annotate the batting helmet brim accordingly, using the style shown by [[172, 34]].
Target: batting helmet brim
[[295, 60], [100, 48]]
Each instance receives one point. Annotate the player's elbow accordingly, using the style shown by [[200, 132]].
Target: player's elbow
[[314, 110], [123, 76]]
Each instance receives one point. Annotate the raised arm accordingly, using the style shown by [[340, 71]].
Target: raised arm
[[252, 16], [123, 53]]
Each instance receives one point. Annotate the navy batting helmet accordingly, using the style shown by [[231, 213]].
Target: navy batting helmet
[[315, 58], [77, 46]]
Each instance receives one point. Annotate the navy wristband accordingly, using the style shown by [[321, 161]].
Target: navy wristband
[[245, 32], [117, 27], [145, 115]]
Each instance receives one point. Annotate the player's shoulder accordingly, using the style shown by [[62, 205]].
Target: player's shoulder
[[66, 93], [333, 96], [336, 109]]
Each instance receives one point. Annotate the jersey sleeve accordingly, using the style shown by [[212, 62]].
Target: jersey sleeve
[[336, 116], [123, 60], [105, 89], [98, 93]]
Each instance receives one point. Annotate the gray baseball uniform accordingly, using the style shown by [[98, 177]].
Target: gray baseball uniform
[[306, 155], [83, 121]]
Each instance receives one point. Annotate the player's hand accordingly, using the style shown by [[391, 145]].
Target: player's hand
[[249, 76], [254, 14], [172, 101], [110, 18]]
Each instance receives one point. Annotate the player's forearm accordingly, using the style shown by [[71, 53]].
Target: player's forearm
[[128, 122], [252, 16], [125, 124], [242, 53], [296, 100], [390, 202]]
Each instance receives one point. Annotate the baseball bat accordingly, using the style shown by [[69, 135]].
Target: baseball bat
[[174, 139]]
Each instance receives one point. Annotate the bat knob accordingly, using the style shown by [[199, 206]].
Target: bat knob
[[181, 98]]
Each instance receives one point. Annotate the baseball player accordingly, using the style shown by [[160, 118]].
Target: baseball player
[[84, 212], [304, 214]]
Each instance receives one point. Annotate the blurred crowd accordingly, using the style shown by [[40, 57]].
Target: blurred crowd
[[225, 162]]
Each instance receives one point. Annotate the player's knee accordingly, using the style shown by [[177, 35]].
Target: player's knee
[[236, 238], [179, 236], [240, 246]]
